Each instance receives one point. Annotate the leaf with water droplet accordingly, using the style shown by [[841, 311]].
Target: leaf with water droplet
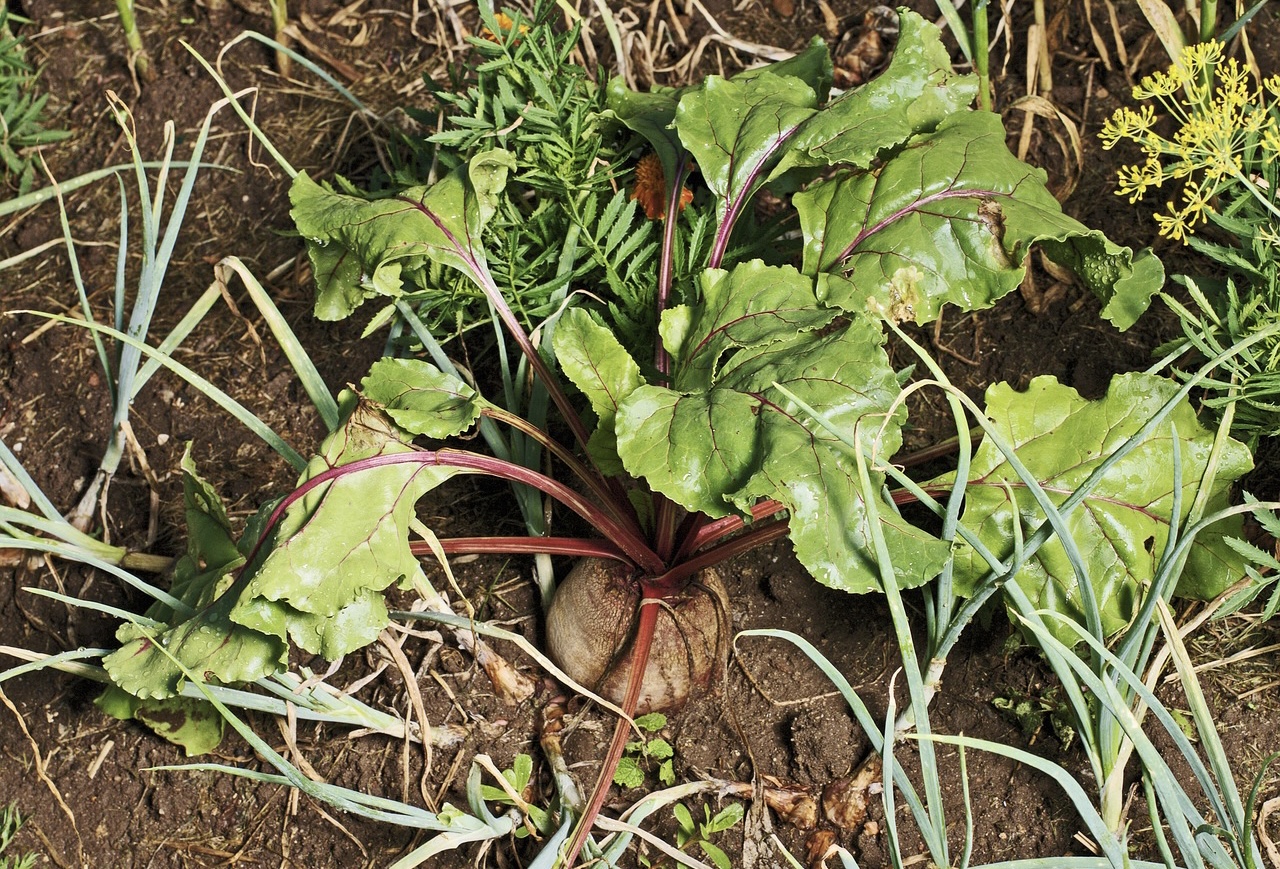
[[1122, 527]]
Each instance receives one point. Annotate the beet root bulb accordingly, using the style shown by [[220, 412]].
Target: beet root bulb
[[591, 634]]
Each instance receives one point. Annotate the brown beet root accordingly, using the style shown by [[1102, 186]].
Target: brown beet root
[[591, 624]]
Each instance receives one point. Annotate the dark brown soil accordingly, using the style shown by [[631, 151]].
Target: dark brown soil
[[88, 784]]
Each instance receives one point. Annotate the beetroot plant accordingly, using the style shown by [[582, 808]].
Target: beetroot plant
[[690, 290]]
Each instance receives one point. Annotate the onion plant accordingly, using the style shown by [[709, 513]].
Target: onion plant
[[1107, 677], [139, 57], [122, 367]]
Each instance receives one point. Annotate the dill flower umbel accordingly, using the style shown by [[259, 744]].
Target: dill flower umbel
[[1209, 125], [1225, 130]]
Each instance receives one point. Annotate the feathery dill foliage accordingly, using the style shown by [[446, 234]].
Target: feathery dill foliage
[[1222, 153], [10, 823], [21, 110], [565, 219]]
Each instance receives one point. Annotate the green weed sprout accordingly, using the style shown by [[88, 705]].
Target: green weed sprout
[[698, 833], [22, 126], [123, 368], [1221, 160], [639, 753], [10, 823]]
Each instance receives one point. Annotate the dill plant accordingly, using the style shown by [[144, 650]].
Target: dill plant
[[10, 823], [1209, 131], [22, 122]]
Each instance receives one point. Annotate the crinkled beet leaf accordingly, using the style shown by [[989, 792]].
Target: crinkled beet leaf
[[1122, 526], [362, 249], [340, 545], [725, 435], [202, 637], [950, 218]]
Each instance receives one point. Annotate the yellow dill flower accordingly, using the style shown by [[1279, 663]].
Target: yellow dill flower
[[1127, 124], [1200, 56], [1197, 201], [1172, 225], [1223, 164], [1233, 78], [1270, 141], [1179, 222], [1134, 181], [1195, 134], [1255, 121], [1159, 84], [1225, 128]]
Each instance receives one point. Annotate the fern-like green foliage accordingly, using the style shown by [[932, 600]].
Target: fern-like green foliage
[[10, 822], [565, 219], [21, 111]]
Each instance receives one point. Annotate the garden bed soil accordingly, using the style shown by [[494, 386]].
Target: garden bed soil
[[88, 784]]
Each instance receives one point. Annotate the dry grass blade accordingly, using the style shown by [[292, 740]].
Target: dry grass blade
[[1269, 808], [1098, 42], [1165, 26], [1218, 663], [42, 773], [1071, 148], [606, 823], [388, 641], [1122, 53], [765, 52]]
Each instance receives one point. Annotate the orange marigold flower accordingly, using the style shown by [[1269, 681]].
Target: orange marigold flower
[[651, 188], [505, 23]]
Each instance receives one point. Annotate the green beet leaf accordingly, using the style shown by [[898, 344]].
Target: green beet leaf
[[353, 625], [1122, 526], [652, 115], [724, 435], [193, 724], [597, 363], [341, 542], [202, 637], [362, 249], [950, 218], [421, 398], [1124, 282], [912, 95], [751, 129], [737, 130]]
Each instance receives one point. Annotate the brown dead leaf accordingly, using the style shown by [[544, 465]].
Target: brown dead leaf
[[844, 801], [862, 53]]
